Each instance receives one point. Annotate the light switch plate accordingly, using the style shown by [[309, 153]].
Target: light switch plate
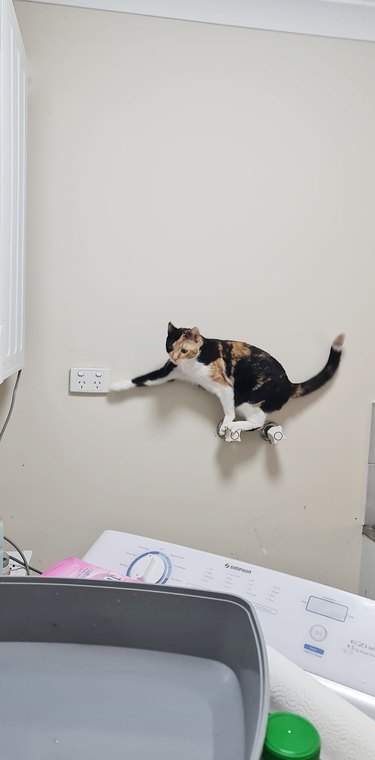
[[89, 380]]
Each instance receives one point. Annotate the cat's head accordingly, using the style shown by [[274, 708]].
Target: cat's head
[[183, 343]]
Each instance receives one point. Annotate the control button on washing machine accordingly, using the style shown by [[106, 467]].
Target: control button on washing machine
[[150, 568], [318, 632]]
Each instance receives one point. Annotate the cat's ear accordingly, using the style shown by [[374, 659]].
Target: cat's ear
[[171, 328], [195, 334]]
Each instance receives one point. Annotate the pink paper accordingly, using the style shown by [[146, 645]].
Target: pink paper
[[77, 568]]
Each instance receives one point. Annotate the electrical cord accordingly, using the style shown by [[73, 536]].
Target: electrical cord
[[20, 552], [20, 562], [3, 429], [23, 561]]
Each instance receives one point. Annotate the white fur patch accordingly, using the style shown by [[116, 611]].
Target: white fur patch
[[255, 418], [193, 371], [338, 343], [122, 385]]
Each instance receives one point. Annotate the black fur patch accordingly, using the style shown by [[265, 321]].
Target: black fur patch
[[302, 389], [156, 375], [209, 351], [261, 380], [172, 336], [227, 357]]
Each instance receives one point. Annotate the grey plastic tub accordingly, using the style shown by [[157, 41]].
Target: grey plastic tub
[[111, 670]]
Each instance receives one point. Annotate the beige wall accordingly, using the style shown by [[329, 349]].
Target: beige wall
[[206, 175]]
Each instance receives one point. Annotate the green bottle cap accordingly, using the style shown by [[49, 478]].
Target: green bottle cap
[[290, 736]]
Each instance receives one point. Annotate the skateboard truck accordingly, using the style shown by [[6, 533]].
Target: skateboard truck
[[271, 432]]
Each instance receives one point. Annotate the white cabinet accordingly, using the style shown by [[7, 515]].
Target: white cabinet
[[12, 191]]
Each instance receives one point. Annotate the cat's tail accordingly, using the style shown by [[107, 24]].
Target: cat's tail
[[302, 389], [122, 385]]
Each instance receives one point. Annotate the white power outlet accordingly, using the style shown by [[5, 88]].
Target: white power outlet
[[16, 569], [89, 380]]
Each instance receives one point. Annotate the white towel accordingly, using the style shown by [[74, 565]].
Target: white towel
[[346, 733]]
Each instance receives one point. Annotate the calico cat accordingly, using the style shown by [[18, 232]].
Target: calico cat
[[246, 379]]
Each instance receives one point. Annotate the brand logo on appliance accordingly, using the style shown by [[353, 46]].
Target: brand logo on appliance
[[236, 567]]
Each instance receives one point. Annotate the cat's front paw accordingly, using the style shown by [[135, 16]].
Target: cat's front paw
[[226, 423], [234, 427], [121, 385]]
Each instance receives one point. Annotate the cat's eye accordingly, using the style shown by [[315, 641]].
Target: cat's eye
[[184, 350]]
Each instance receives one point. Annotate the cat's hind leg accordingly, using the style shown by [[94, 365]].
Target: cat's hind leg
[[254, 418]]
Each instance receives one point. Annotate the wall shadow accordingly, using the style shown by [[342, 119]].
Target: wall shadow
[[229, 457]]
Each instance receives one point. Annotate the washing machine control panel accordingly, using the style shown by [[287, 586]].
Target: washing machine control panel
[[328, 632]]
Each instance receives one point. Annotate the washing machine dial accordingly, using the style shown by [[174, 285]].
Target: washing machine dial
[[151, 567]]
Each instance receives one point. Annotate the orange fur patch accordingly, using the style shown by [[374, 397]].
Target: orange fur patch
[[191, 347], [297, 393], [262, 379], [240, 350], [217, 372]]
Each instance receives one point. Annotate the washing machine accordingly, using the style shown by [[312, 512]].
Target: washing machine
[[328, 632]]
